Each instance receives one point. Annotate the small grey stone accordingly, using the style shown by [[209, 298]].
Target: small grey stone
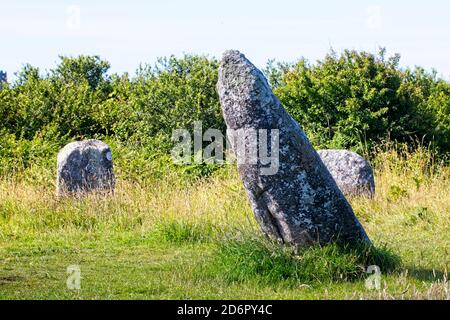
[[85, 166], [352, 173], [300, 204]]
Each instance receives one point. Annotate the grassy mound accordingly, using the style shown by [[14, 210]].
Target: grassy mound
[[269, 262]]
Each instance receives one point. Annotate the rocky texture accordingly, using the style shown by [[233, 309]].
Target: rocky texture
[[353, 174], [300, 204], [85, 166]]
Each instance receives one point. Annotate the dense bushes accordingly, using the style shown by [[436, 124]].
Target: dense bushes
[[80, 100], [353, 100], [358, 99], [172, 94]]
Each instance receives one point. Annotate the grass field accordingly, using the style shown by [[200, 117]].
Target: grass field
[[166, 239]]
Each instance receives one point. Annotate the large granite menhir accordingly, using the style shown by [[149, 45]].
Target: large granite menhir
[[300, 204], [85, 166]]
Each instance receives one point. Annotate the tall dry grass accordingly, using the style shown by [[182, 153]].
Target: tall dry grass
[[412, 190], [410, 213]]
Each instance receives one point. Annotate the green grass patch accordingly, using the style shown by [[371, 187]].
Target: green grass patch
[[171, 238], [269, 262], [179, 232]]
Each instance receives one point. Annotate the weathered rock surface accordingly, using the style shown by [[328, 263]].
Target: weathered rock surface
[[300, 204], [352, 173], [85, 166]]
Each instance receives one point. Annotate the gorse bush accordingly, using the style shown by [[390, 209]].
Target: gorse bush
[[353, 100], [170, 95], [358, 99], [79, 100]]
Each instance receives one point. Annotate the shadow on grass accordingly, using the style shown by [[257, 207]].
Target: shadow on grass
[[9, 279], [269, 262], [428, 275], [251, 257]]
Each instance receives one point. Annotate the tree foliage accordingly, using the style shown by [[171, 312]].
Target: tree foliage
[[353, 100], [357, 99]]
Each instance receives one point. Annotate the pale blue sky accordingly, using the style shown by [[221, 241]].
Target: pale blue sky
[[129, 32]]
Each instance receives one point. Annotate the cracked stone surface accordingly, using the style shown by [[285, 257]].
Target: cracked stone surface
[[300, 204], [85, 166], [352, 173]]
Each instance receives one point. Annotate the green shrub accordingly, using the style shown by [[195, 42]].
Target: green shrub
[[170, 95], [352, 101], [357, 99], [79, 100], [18, 155]]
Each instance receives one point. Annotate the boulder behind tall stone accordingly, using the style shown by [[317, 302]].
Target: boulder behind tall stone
[[85, 166], [352, 173], [300, 204]]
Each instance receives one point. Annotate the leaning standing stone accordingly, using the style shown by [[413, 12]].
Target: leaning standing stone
[[85, 166], [300, 203], [352, 173]]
